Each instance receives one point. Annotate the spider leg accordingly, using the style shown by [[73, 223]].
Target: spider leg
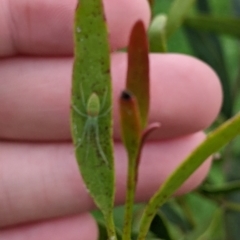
[[104, 99], [104, 114], [98, 143], [79, 112], [85, 130], [83, 97], [88, 138]]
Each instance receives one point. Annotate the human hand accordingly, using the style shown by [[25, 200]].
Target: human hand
[[40, 186]]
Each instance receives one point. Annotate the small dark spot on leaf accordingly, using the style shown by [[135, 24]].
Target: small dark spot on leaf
[[107, 71], [126, 95], [104, 18]]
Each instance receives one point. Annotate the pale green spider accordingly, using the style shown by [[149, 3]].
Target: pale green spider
[[93, 109]]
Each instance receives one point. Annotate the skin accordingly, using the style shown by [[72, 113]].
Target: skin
[[42, 195]]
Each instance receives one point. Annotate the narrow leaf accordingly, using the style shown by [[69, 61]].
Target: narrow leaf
[[215, 140], [146, 132], [157, 34], [138, 69], [131, 136], [130, 123], [160, 226], [220, 25], [215, 228], [176, 15], [227, 188], [92, 107], [207, 47]]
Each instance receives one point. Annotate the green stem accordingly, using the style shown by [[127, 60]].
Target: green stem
[[110, 226], [131, 186], [132, 179]]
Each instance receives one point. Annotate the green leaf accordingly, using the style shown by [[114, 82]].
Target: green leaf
[[233, 206], [176, 15], [173, 212], [215, 140], [215, 229], [220, 25], [160, 227], [92, 107], [157, 34], [208, 47], [227, 188], [138, 69]]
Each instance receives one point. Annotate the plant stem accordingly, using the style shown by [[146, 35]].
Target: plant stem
[[110, 226], [128, 213], [132, 180]]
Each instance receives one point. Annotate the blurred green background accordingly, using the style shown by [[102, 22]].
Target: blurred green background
[[212, 212]]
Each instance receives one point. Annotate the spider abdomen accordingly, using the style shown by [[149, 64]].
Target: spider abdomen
[[93, 105]]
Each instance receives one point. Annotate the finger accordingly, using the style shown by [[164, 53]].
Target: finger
[[69, 228], [186, 94], [42, 181], [45, 28], [35, 97]]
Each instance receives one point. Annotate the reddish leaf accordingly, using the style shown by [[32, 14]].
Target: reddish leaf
[[131, 136], [130, 124], [138, 69]]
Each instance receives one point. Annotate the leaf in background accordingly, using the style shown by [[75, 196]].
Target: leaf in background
[[232, 216], [215, 229], [156, 33], [214, 141], [177, 42], [171, 211], [160, 227], [202, 210], [227, 188], [232, 224], [236, 7], [138, 70], [92, 106], [176, 15], [219, 25], [207, 47]]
